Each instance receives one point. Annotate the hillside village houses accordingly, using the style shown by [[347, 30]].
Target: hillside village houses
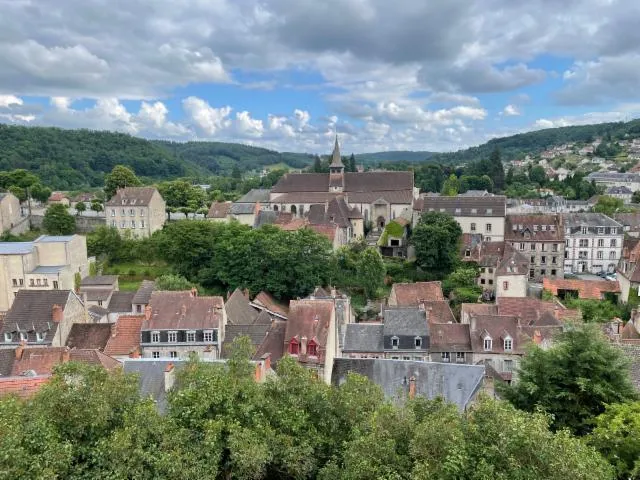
[[139, 210]]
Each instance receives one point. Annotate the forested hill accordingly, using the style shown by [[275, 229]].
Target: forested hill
[[393, 156], [538, 141]]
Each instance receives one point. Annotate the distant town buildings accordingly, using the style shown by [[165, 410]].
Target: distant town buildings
[[593, 243]]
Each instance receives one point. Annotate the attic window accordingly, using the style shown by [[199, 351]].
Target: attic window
[[155, 337], [294, 347], [23, 336], [488, 344], [474, 210], [543, 228], [458, 210], [395, 341], [40, 336], [418, 342], [312, 349], [8, 337], [489, 211], [508, 344]]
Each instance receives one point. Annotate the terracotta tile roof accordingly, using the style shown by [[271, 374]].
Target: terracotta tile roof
[[587, 289], [411, 294], [328, 231], [183, 310], [529, 228], [219, 210], [132, 196], [498, 328], [42, 360], [439, 311], [267, 301], [57, 196], [125, 336], [353, 182], [468, 309], [530, 310], [94, 357], [630, 332], [89, 335], [24, 387], [450, 337]]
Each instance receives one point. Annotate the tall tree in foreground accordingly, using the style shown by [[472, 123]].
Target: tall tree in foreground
[[436, 239], [58, 221], [573, 380], [371, 271], [496, 171], [119, 177]]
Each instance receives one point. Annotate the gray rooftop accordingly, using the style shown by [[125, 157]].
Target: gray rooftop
[[363, 337], [99, 280], [614, 176], [242, 208], [619, 191], [143, 294], [15, 248], [405, 321], [575, 220], [48, 270], [255, 195], [54, 238], [456, 383]]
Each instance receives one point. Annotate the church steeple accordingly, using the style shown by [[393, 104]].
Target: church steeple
[[336, 158], [336, 169]]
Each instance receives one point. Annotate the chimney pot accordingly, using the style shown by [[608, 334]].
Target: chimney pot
[[412, 387], [169, 377], [147, 312], [57, 314], [20, 350]]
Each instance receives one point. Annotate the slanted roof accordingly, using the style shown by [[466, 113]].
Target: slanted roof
[[266, 300], [89, 335], [273, 342], [219, 210], [529, 228], [411, 294], [439, 311], [42, 360], [587, 289], [455, 383], [463, 206], [239, 310], [576, 220], [255, 195], [97, 312], [121, 302], [15, 248], [256, 334], [99, 280], [143, 294], [23, 387], [183, 310], [632, 352], [497, 327], [336, 158], [530, 309], [132, 197], [243, 208], [354, 182], [151, 377], [311, 319], [450, 337], [125, 336], [96, 294], [31, 312], [405, 321], [363, 337]]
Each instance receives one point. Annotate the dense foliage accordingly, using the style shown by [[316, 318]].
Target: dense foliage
[[87, 423], [574, 380], [121, 176], [58, 221], [436, 239]]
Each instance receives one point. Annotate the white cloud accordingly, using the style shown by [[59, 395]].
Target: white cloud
[[511, 111], [7, 101], [206, 118]]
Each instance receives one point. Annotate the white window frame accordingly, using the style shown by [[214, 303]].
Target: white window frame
[[191, 336], [8, 337], [460, 357], [487, 344], [473, 226], [155, 355], [155, 336], [173, 354], [23, 336], [40, 337], [445, 357], [417, 341], [172, 336], [508, 344], [207, 335], [487, 228], [395, 342]]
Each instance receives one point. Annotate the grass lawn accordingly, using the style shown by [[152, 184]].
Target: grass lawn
[[139, 269], [127, 285]]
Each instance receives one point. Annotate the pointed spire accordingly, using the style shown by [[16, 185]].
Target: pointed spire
[[336, 158]]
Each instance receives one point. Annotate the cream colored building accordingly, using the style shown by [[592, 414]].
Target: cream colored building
[[48, 263], [138, 210], [9, 211]]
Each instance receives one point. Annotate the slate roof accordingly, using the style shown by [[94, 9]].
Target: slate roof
[[97, 312], [15, 248], [183, 310], [256, 334], [405, 321], [143, 294], [363, 337], [512, 263], [576, 220], [243, 208], [353, 182], [96, 294], [265, 217], [89, 335], [519, 228], [267, 301], [132, 196], [628, 219], [463, 206], [619, 191], [31, 312], [106, 280], [7, 357], [125, 336], [273, 342], [455, 383], [450, 337], [151, 376], [239, 310], [255, 195], [121, 302], [219, 210], [335, 211], [411, 294]]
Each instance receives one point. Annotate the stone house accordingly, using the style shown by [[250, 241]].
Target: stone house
[[628, 271], [124, 340], [42, 318], [59, 198], [593, 243], [10, 213], [142, 296], [502, 270], [139, 210], [97, 290], [219, 211]]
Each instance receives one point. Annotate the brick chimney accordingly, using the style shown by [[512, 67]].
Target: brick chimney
[[266, 358], [147, 312], [66, 355], [194, 292], [114, 329], [537, 337], [169, 377], [57, 314], [20, 350], [412, 387]]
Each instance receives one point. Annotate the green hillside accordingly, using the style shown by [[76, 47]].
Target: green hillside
[[393, 156]]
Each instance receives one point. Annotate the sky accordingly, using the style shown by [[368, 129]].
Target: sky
[[436, 75]]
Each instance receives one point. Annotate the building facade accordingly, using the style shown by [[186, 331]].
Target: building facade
[[138, 210], [593, 243], [9, 211]]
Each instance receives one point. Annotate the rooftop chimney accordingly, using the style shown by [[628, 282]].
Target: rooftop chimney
[[412, 387], [147, 312], [194, 292], [57, 314], [20, 350], [169, 377]]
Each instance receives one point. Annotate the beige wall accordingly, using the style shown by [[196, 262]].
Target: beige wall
[[183, 351], [14, 267], [517, 286], [625, 286], [244, 219], [74, 312], [331, 348], [9, 212], [153, 216], [497, 226]]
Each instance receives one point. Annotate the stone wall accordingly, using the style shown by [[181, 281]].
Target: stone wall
[[83, 224]]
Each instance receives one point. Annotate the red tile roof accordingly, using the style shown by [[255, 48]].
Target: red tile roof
[[587, 289], [439, 311], [183, 310], [411, 294], [450, 337], [310, 319], [42, 360], [125, 336], [57, 196], [24, 387], [270, 303], [531, 310]]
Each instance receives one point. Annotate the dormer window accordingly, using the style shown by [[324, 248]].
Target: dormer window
[[418, 342], [458, 210], [488, 344], [191, 336], [172, 337], [40, 336], [508, 344], [294, 347], [23, 336], [312, 349], [584, 230], [155, 337], [395, 342], [208, 336], [8, 337], [489, 211], [474, 210]]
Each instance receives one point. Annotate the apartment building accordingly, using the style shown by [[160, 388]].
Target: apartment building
[[139, 210], [593, 243]]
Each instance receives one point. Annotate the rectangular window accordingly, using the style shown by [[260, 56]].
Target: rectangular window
[[99, 303], [458, 210], [445, 357], [543, 272], [522, 246], [553, 272], [155, 354], [15, 282], [584, 230], [32, 282], [460, 357], [8, 337], [533, 260], [491, 270], [21, 281], [172, 337], [406, 358], [490, 281], [141, 223], [474, 210], [583, 254], [601, 242], [612, 255], [554, 260], [543, 260], [155, 337], [487, 344], [56, 286], [191, 336], [532, 246], [532, 273], [583, 243], [123, 212], [173, 354], [138, 308], [554, 247], [133, 224], [208, 336], [142, 212], [487, 239], [418, 342], [23, 336], [508, 344], [508, 366], [600, 255], [600, 230], [40, 336], [488, 228], [473, 227], [132, 212], [394, 342], [482, 281], [113, 223], [122, 224], [543, 247], [113, 212], [489, 211], [505, 286], [614, 243]]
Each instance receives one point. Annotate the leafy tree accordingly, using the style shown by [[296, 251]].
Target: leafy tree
[[40, 193], [451, 186], [496, 169], [616, 436], [317, 164], [508, 180], [173, 282], [96, 206], [636, 197], [19, 192], [105, 241], [608, 205], [371, 271], [80, 207], [538, 175], [120, 177], [474, 182], [573, 380], [352, 163], [429, 178], [58, 221], [436, 239]]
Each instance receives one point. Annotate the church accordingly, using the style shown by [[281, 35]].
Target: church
[[376, 197]]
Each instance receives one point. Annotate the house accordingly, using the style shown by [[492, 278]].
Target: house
[[178, 324], [502, 270], [311, 335], [124, 341], [540, 238], [42, 360], [337, 211], [475, 215], [86, 198], [615, 179], [593, 243], [10, 213], [363, 340], [266, 301], [630, 223], [120, 303], [139, 210], [394, 239], [406, 333], [623, 193], [219, 211], [401, 380], [450, 343], [632, 352], [244, 320], [245, 213], [142, 296], [413, 294], [337, 237], [628, 271], [531, 311], [47, 263], [585, 289], [378, 196], [97, 290], [59, 198], [42, 318]]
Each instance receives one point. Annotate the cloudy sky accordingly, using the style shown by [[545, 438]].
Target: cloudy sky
[[404, 74]]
